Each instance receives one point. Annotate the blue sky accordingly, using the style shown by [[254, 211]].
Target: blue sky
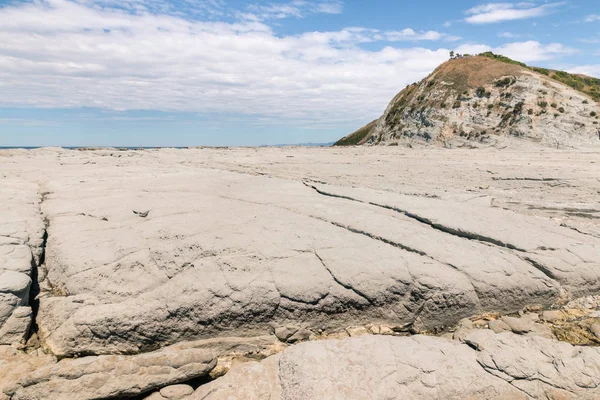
[[217, 72]]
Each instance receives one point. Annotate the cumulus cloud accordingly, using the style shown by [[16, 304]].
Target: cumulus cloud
[[69, 54], [64, 54], [528, 51], [498, 12]]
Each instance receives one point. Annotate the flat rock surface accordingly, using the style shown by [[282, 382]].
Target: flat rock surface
[[161, 246], [504, 366], [114, 257], [21, 243]]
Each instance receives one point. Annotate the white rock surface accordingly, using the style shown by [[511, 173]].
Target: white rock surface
[[21, 242], [147, 249], [505, 366], [31, 377]]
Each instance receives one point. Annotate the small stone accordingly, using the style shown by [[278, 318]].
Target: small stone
[[301, 335], [518, 325], [176, 392], [285, 332], [142, 214], [553, 316], [498, 326]]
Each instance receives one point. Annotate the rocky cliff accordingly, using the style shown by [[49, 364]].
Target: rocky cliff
[[483, 100]]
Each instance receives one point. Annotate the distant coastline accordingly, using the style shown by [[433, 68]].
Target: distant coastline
[[159, 147]]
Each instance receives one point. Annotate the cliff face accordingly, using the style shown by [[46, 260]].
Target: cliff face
[[478, 101]]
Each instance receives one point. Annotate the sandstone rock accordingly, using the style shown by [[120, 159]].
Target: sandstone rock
[[553, 315], [540, 368], [300, 336], [518, 325], [118, 376], [114, 376], [507, 366], [499, 326], [284, 333], [176, 392], [241, 241], [433, 257], [21, 240], [354, 331], [16, 326]]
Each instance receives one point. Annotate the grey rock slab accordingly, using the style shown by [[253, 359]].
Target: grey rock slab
[[563, 254], [116, 376], [16, 327], [374, 367], [236, 244], [504, 366], [21, 242], [540, 367], [235, 265]]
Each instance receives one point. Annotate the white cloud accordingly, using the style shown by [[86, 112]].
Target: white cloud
[[63, 54], [526, 52], [498, 12], [508, 35], [296, 8], [590, 70], [592, 18]]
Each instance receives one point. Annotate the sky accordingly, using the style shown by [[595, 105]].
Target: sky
[[229, 72]]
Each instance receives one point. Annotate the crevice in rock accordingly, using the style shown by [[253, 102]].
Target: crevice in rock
[[451, 231], [540, 267], [342, 284], [34, 301], [379, 238], [423, 220], [526, 179], [579, 231], [397, 245]]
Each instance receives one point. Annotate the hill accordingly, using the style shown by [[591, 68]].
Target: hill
[[482, 100]]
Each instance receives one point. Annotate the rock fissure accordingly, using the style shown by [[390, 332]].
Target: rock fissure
[[342, 284], [540, 267], [426, 221]]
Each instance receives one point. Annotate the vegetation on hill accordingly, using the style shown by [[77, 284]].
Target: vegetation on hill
[[356, 137], [584, 84], [502, 58]]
